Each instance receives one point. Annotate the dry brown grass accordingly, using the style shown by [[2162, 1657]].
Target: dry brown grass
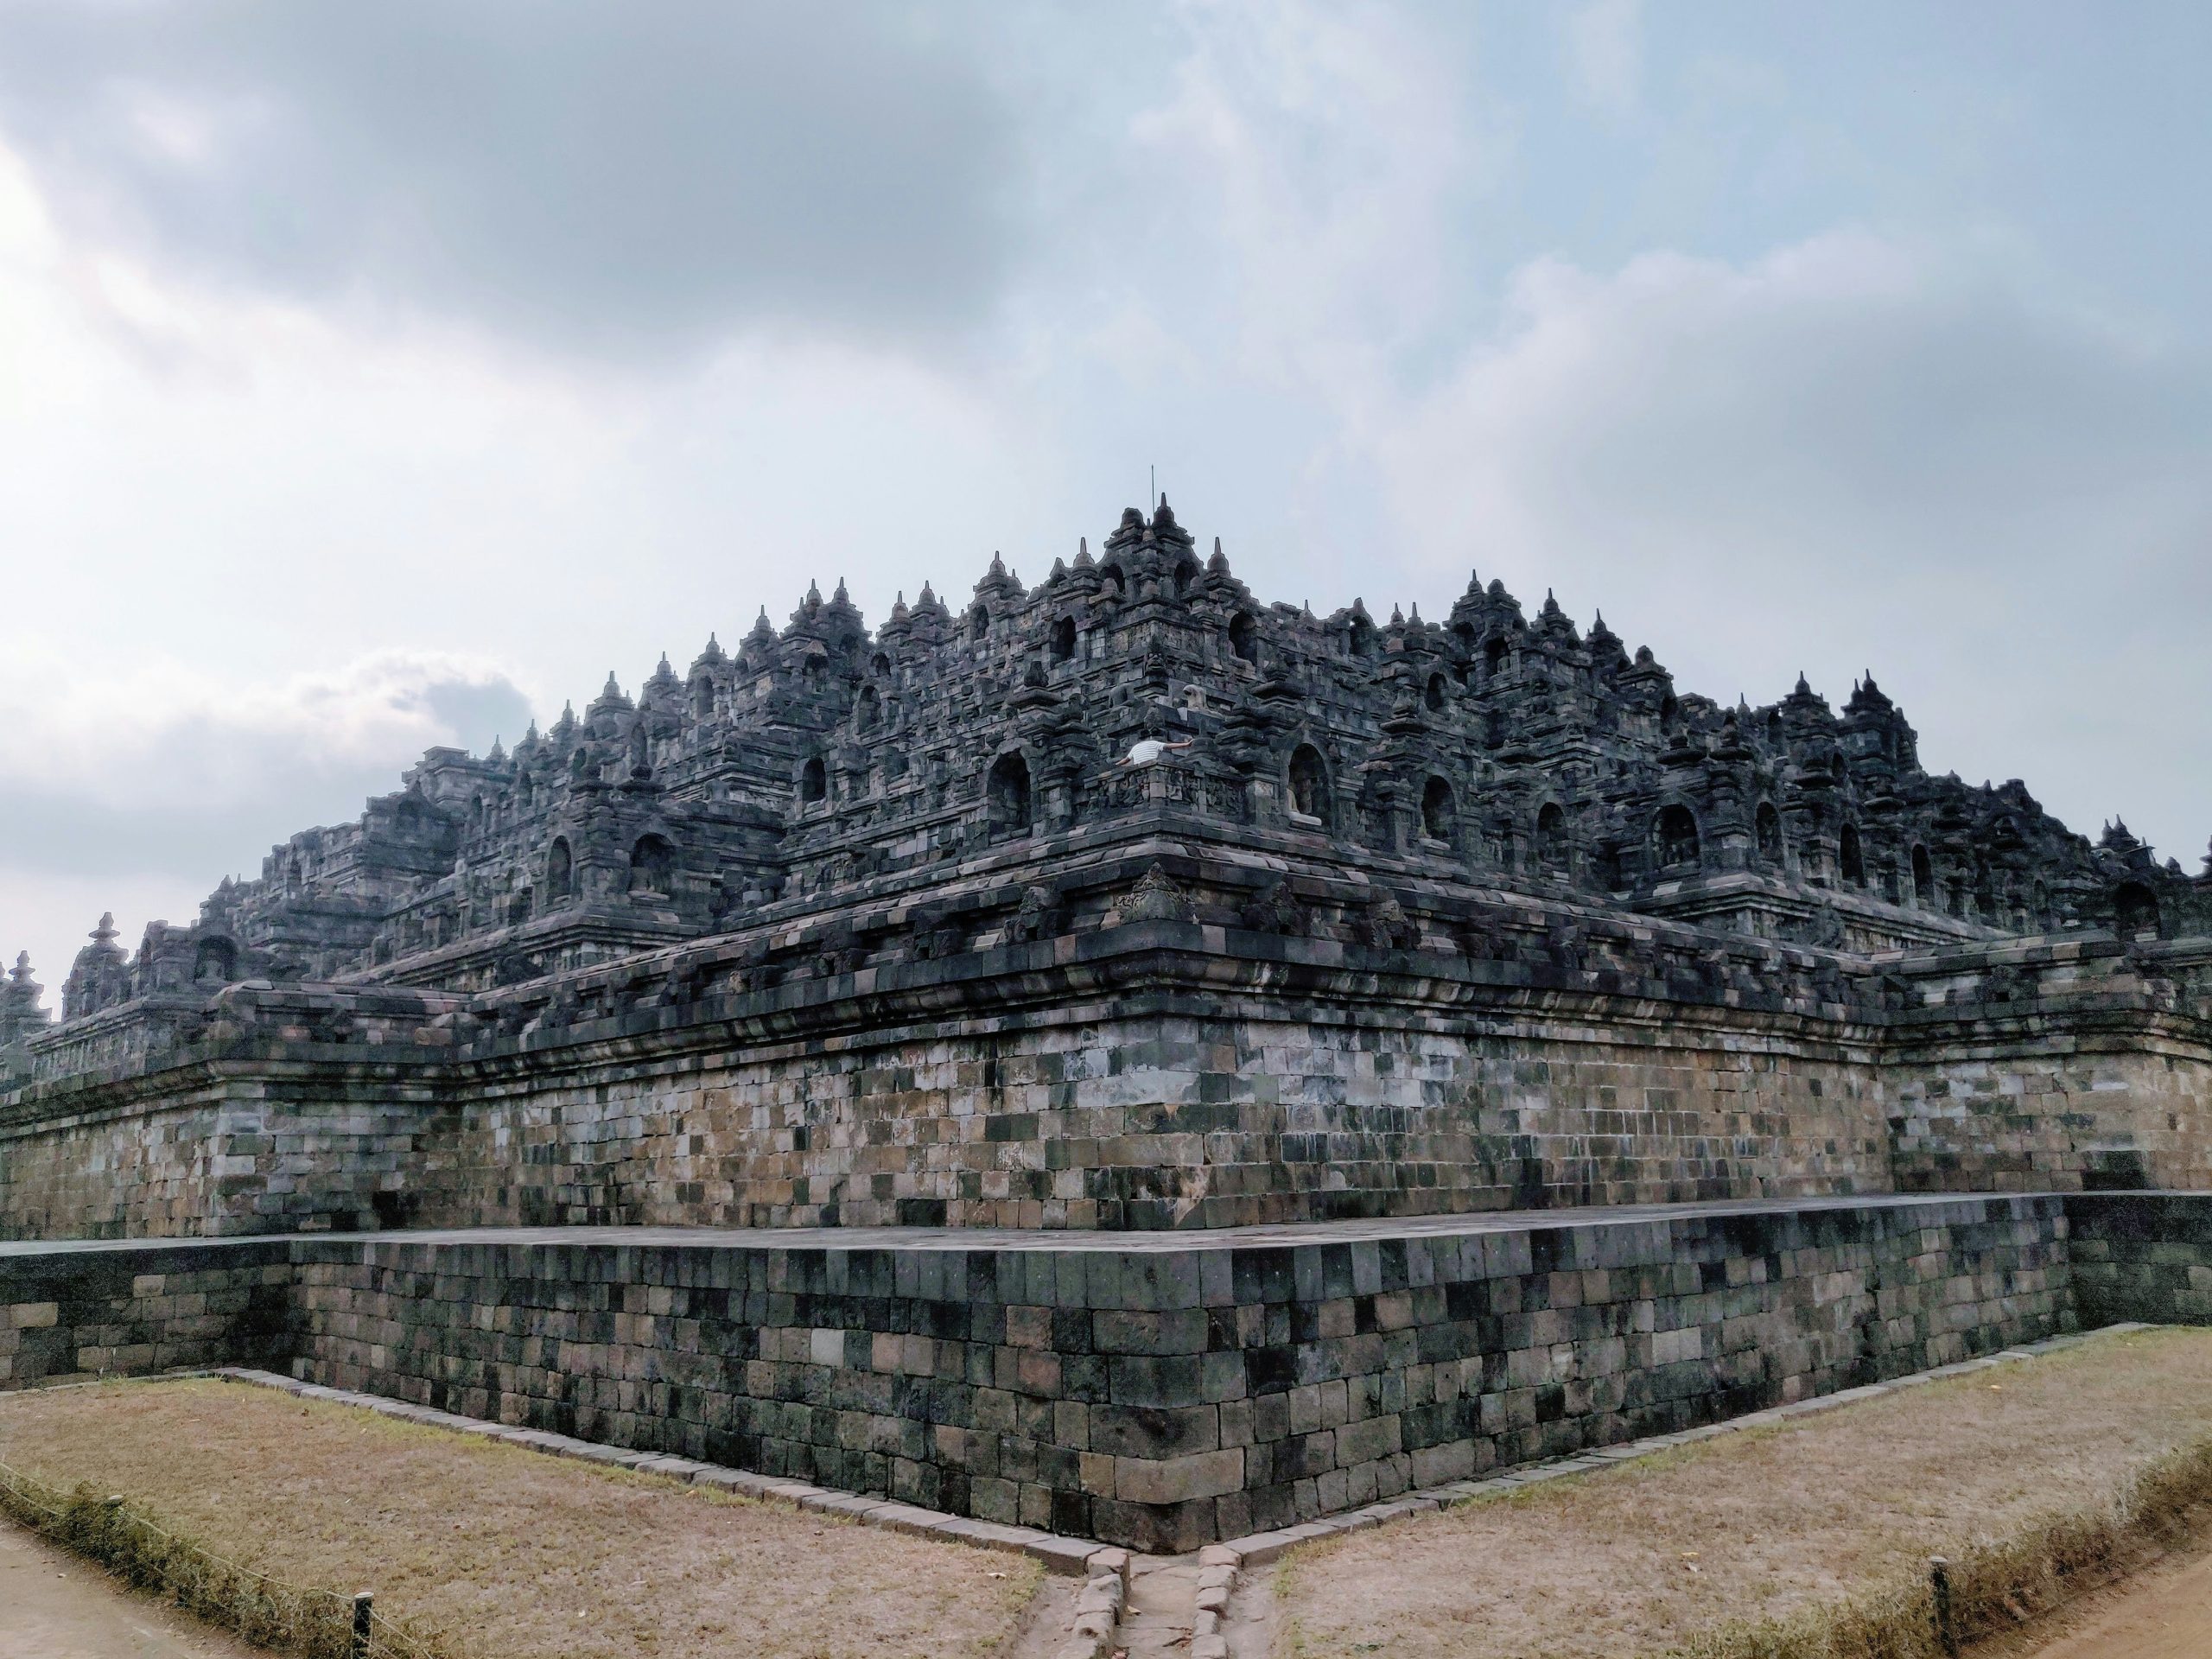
[[504, 1551], [1768, 1525]]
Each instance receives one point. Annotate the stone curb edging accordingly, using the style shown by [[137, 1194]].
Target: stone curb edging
[[1068, 1557], [1218, 1565], [1260, 1548], [1097, 1613], [1100, 1605]]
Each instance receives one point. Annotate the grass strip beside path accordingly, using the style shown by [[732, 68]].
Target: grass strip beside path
[[500, 1551], [1753, 1544]]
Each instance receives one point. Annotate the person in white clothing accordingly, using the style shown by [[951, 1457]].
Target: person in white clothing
[[1146, 750]]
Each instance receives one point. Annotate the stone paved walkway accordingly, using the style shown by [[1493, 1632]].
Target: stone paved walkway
[[989, 1238], [1162, 1599]]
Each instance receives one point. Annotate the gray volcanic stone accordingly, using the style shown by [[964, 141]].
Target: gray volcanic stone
[[735, 1348]]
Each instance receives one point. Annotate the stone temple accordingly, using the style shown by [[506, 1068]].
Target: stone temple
[[1007, 955]]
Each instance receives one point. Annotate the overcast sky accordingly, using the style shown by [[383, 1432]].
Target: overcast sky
[[376, 376]]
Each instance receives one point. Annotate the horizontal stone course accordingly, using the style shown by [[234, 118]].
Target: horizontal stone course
[[1215, 1084]]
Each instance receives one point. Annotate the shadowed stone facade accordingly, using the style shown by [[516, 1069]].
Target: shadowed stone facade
[[1159, 1391], [1130, 901]]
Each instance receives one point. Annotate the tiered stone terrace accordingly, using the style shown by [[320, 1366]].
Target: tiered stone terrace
[[1060, 932]]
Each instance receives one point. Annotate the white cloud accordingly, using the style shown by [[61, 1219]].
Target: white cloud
[[1305, 159], [1851, 454], [258, 513], [136, 789], [155, 727], [1605, 54], [260, 556], [593, 179]]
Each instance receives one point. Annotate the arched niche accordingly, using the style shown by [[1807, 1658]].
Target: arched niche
[[1439, 811], [1309, 785], [1766, 827], [652, 865], [1675, 831], [1243, 638], [1008, 800]]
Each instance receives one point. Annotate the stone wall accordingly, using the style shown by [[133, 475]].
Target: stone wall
[[125, 1161], [1157, 1391], [83, 1312], [2048, 1066], [1162, 1398], [2046, 1109], [2142, 1256], [1180, 1116], [1151, 1074], [280, 1142]]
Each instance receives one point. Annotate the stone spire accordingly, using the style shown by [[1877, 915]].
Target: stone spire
[[610, 699], [21, 1011]]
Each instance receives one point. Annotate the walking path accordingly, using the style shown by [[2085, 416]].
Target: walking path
[[1275, 1235], [55, 1606], [2162, 1615]]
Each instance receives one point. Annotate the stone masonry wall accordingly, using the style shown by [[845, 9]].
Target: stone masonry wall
[[1163, 1398], [2142, 1256], [1156, 1074], [2052, 1110], [1159, 1392], [281, 1144], [71, 1315], [121, 1162], [1172, 1120]]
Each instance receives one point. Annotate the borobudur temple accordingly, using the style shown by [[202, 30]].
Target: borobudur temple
[[1131, 1060]]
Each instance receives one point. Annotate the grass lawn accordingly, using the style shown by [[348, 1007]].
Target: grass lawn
[[504, 1552], [1638, 1558]]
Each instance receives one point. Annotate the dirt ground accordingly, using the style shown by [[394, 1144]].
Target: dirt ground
[[1760, 1524], [54, 1605], [504, 1551], [2162, 1614]]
